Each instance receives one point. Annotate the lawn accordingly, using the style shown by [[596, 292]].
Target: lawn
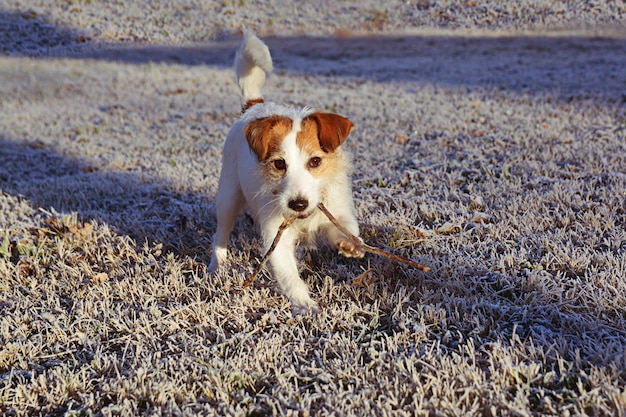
[[493, 152]]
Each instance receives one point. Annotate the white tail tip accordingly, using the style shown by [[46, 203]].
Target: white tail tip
[[252, 62]]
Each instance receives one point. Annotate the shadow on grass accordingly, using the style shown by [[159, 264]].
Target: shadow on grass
[[558, 65], [142, 210], [568, 66]]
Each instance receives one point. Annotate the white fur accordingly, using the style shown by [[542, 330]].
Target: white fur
[[243, 184], [252, 62]]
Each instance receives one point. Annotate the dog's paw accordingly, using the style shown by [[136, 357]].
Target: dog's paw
[[349, 249], [309, 308], [301, 302], [219, 256], [213, 266]]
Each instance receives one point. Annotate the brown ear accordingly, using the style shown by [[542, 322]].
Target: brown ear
[[264, 135], [332, 129]]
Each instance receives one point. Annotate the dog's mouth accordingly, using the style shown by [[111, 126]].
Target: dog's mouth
[[305, 215], [299, 215]]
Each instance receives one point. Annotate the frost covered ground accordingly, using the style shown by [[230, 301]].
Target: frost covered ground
[[490, 144]]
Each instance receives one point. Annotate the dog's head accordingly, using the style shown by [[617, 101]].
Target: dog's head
[[298, 157]]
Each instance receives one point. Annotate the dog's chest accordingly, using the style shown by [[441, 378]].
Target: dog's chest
[[307, 230]]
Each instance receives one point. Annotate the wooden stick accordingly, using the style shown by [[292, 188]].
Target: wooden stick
[[287, 222], [369, 248], [283, 226]]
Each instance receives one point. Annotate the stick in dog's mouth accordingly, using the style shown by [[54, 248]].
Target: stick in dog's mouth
[[367, 248]]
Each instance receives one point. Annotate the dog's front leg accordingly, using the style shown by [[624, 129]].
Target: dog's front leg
[[228, 202], [285, 269]]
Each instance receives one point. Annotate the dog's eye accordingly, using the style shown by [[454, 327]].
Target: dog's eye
[[280, 164], [315, 162]]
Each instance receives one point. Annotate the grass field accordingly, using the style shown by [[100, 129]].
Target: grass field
[[490, 144]]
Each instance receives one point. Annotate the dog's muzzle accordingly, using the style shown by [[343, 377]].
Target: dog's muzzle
[[299, 204]]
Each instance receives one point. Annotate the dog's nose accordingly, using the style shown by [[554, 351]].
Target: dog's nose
[[299, 204]]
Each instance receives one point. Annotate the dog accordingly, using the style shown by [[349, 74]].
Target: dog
[[279, 162]]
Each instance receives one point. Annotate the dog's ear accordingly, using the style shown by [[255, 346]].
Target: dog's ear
[[332, 129], [264, 135]]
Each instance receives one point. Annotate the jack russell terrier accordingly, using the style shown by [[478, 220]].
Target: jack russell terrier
[[281, 162]]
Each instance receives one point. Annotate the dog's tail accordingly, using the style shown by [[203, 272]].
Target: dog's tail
[[252, 62]]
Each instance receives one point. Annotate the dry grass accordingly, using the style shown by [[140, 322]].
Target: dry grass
[[498, 162]]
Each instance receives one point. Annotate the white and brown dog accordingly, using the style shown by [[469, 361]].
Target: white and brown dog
[[280, 162]]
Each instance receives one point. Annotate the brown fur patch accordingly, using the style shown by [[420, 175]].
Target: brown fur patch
[[265, 135], [309, 141], [332, 129], [251, 103], [308, 138]]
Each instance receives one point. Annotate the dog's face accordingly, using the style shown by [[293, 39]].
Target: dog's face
[[297, 158]]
